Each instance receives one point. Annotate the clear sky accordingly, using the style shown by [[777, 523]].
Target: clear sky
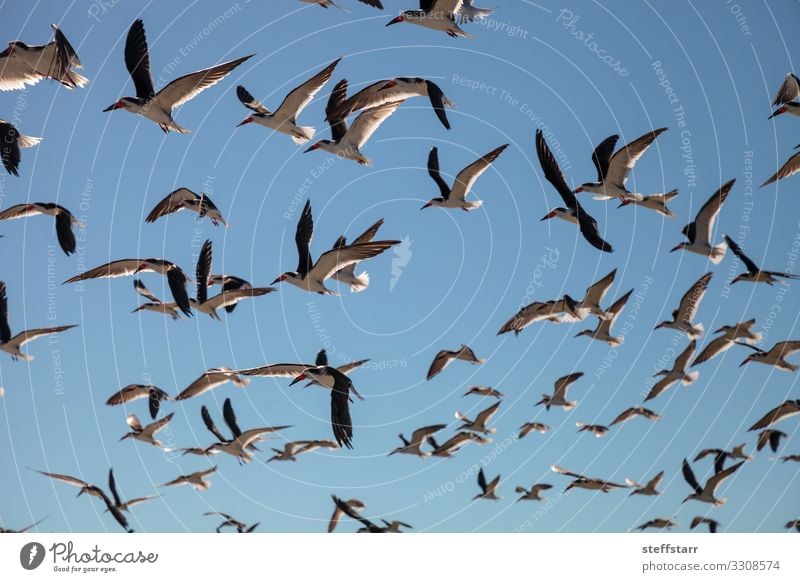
[[707, 71]]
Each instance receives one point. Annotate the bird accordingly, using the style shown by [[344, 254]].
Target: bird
[[326, 3], [711, 523], [707, 494], [347, 275], [590, 483], [555, 311], [455, 443], [559, 396], [730, 333], [683, 317], [483, 391], [185, 199], [598, 430], [650, 488], [341, 421], [775, 356], [147, 434], [13, 345], [488, 489], [389, 90], [442, 15], [229, 283], [118, 503], [132, 392], [678, 373], [754, 274], [780, 412], [284, 119], [595, 293], [788, 96], [351, 509], [232, 522], [534, 493], [455, 197], [11, 140], [789, 168], [155, 304], [613, 170], [353, 505], [158, 106], [444, 357], [292, 449], [793, 524], [346, 143], [418, 438], [530, 427], [633, 412], [242, 440], [198, 480], [176, 278], [210, 379], [574, 212], [23, 64], [603, 330], [229, 416], [64, 220], [24, 529], [787, 458], [658, 523], [479, 424], [720, 456], [311, 276], [700, 231], [657, 202], [770, 437]]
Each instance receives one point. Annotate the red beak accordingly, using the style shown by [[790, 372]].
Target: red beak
[[395, 21], [299, 378], [245, 122], [579, 189]]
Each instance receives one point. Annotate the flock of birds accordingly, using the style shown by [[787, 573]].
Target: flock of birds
[[22, 64]]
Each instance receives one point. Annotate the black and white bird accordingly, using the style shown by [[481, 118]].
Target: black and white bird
[[770, 437], [158, 106], [701, 230], [147, 433], [155, 304], [11, 140], [657, 202], [64, 220], [595, 293], [574, 212], [455, 443], [444, 357], [781, 412], [455, 196], [658, 523], [534, 493], [648, 489], [775, 356], [176, 278], [712, 524], [633, 412], [210, 379], [530, 427], [793, 524], [311, 276], [418, 438], [730, 333], [683, 317], [443, 15], [721, 456], [483, 391], [118, 503], [198, 480], [291, 450], [231, 522], [131, 392], [754, 274], [479, 425], [354, 505], [678, 373], [590, 483], [789, 168], [341, 422], [603, 330], [787, 99], [229, 416], [24, 529], [284, 118], [347, 275], [352, 509], [598, 430], [241, 442], [488, 488], [185, 199], [229, 283], [23, 64], [555, 311], [346, 143], [707, 494], [326, 3], [559, 396], [13, 345]]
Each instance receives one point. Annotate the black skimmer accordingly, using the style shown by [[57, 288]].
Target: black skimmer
[[418, 438], [534, 493], [444, 357], [712, 524], [210, 379], [118, 503], [598, 430], [229, 416], [132, 392], [455, 197], [775, 356], [341, 422], [658, 523], [292, 449], [13, 345], [574, 212], [326, 3], [346, 143], [770, 437], [347, 275], [176, 278], [483, 391], [720, 456], [488, 489], [678, 373], [155, 304], [353, 504], [787, 99], [391, 90], [699, 232], [198, 480], [650, 488], [789, 168], [707, 494], [11, 140], [284, 119], [633, 412], [555, 311], [443, 15], [231, 522], [243, 441], [657, 202], [24, 529], [780, 412], [64, 220], [229, 283], [158, 106], [559, 397], [185, 199], [594, 297], [24, 64], [583, 482], [603, 330], [455, 443], [481, 420], [530, 427], [311, 276], [613, 170], [730, 333], [687, 309], [349, 509], [147, 434], [793, 524], [754, 274], [794, 458], [93, 491]]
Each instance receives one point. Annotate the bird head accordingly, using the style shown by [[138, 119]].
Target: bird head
[[428, 204], [624, 202], [736, 279], [245, 122], [317, 145], [397, 19], [747, 359], [777, 112], [549, 215], [280, 279], [121, 104], [676, 248]]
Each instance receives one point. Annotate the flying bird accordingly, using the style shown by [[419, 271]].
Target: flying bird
[[711, 523], [770, 437], [598, 430], [418, 438], [488, 489], [231, 522], [595, 293], [775, 356], [530, 427], [648, 489], [185, 199], [229, 283], [678, 373], [24, 529], [242, 442], [455, 443], [559, 396], [210, 379], [787, 99], [789, 168], [455, 197], [155, 304], [534, 493], [730, 333], [443, 15], [118, 503], [683, 317], [23, 64], [347, 275], [707, 493], [198, 480], [444, 357], [700, 231], [633, 412], [657, 202], [353, 505], [63, 218], [658, 523], [293, 449], [341, 421], [555, 311], [132, 392], [483, 391], [11, 140], [777, 414], [147, 434], [603, 330], [481, 420], [754, 274], [590, 483]]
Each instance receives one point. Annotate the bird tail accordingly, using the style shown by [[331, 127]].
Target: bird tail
[[302, 134], [718, 253], [73, 79], [240, 382], [361, 283], [473, 205], [698, 331], [690, 378], [756, 339], [176, 128]]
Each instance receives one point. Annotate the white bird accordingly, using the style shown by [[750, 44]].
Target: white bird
[[555, 311], [683, 317], [63, 218], [788, 96], [24, 64], [603, 330], [444, 357], [442, 15], [185, 199], [650, 488], [530, 427], [533, 494], [210, 379], [700, 231], [455, 196], [707, 493], [488, 489], [479, 424], [595, 293], [730, 333], [633, 412], [158, 106], [11, 140], [197, 480], [598, 430], [775, 356], [455, 443], [754, 274], [559, 396], [781, 412], [347, 275], [590, 483], [147, 434], [678, 373], [657, 202], [237, 447], [418, 438], [789, 168], [155, 304]]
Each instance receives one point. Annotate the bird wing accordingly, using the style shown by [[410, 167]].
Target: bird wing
[[208, 381], [704, 222], [737, 250], [596, 292], [74, 481], [302, 238], [445, 7], [785, 410], [336, 259], [718, 478], [688, 475], [791, 167], [137, 60], [787, 348], [435, 173], [466, 178], [336, 119], [112, 486], [419, 436], [5, 328], [789, 91], [299, 98], [209, 422], [440, 362], [690, 301], [228, 298], [341, 422], [189, 86], [482, 480], [601, 156], [655, 481], [369, 234], [486, 415], [171, 203], [120, 268], [29, 335], [368, 122], [616, 309], [715, 347], [177, 285], [248, 437], [230, 418], [144, 291], [277, 370], [682, 361], [203, 271], [156, 426], [562, 471], [127, 394], [622, 162], [563, 384], [249, 101], [19, 211]]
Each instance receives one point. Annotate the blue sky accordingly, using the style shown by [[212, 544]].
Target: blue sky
[[713, 67]]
